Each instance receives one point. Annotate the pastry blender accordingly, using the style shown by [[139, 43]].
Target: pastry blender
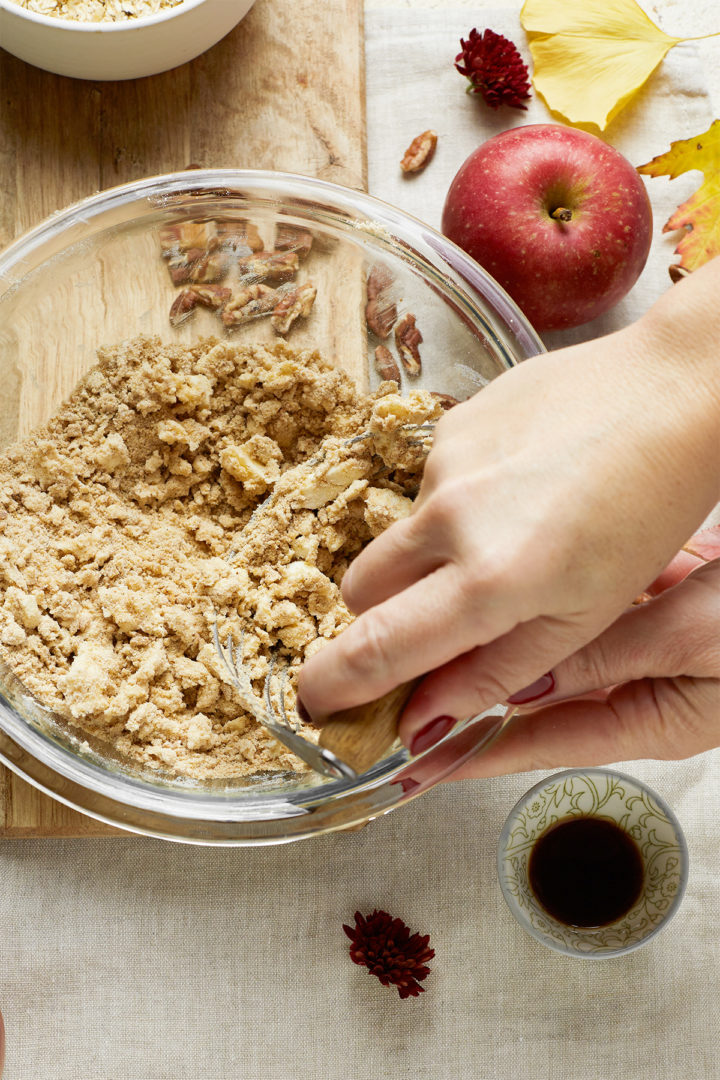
[[350, 740]]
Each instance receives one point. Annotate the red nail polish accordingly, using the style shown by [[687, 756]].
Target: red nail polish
[[432, 733], [542, 686], [407, 784]]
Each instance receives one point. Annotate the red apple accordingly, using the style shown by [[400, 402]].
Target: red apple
[[559, 218]]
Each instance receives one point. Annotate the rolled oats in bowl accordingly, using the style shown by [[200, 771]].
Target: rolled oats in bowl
[[97, 10], [112, 40]]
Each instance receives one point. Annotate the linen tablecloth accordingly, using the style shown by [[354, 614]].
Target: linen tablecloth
[[133, 959]]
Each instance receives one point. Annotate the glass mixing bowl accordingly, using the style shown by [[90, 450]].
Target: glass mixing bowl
[[93, 274]]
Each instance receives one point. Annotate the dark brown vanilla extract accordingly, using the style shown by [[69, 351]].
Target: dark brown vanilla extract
[[586, 871]]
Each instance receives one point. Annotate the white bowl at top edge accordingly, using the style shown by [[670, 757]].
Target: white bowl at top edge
[[118, 50]]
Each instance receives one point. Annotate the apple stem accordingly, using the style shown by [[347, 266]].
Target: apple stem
[[561, 213]]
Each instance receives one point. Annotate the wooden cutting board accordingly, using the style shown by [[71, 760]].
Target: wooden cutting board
[[285, 90]]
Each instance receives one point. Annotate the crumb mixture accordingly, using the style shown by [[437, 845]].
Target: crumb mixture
[[141, 513], [97, 10]]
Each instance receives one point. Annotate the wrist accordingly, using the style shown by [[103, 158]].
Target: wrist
[[680, 336], [674, 353]]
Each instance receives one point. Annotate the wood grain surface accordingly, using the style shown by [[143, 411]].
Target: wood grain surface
[[364, 734], [284, 90]]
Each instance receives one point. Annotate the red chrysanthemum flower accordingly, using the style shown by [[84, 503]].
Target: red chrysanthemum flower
[[387, 949], [495, 69]]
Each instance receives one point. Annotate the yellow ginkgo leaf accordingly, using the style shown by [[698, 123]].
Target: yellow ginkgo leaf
[[590, 57], [700, 214]]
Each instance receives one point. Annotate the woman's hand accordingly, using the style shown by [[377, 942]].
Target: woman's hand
[[550, 500], [662, 660]]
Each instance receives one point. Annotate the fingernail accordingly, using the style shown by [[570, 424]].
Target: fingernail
[[542, 686], [432, 733], [302, 712], [345, 583], [407, 784]]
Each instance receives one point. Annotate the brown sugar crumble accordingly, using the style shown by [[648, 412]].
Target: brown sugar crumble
[[117, 517]]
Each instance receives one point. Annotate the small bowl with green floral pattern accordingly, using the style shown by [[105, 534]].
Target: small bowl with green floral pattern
[[592, 862]]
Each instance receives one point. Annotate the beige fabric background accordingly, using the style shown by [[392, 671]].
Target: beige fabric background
[[132, 959]]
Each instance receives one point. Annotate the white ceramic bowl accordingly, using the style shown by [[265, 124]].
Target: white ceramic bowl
[[118, 50]]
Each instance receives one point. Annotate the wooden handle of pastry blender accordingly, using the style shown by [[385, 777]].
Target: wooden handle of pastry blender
[[363, 735]]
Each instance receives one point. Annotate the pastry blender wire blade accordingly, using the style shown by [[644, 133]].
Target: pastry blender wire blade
[[379, 717], [275, 719]]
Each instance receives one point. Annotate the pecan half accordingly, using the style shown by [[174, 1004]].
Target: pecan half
[[380, 316], [379, 280], [188, 300], [380, 309], [212, 296], [293, 238], [445, 401], [295, 304], [240, 237], [248, 303], [677, 272], [188, 235], [270, 265], [407, 340], [184, 305], [197, 267], [385, 365], [419, 153]]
